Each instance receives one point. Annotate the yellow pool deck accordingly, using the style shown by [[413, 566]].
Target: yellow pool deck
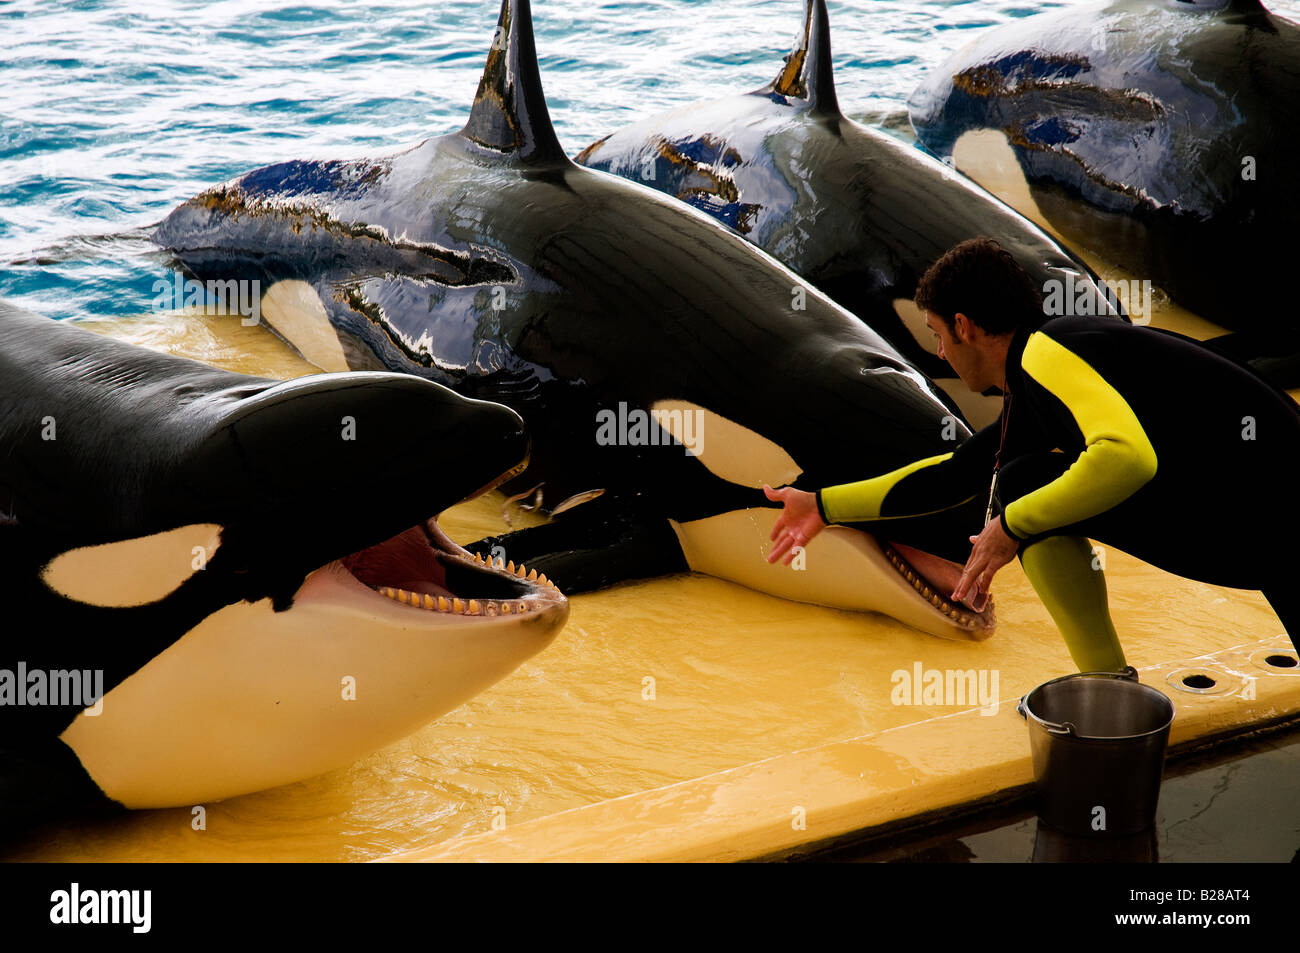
[[881, 778]]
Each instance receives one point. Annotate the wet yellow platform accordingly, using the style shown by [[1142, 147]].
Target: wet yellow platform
[[878, 779]]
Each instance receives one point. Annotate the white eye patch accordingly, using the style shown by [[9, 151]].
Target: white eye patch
[[133, 572], [730, 450], [295, 311], [987, 156], [913, 319]]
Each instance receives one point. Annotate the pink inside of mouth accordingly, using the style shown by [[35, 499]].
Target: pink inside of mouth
[[423, 561], [942, 574], [406, 561]]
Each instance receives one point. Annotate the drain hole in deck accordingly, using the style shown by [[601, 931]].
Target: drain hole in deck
[[1281, 661], [1198, 681]]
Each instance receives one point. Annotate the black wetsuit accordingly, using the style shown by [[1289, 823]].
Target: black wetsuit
[[1135, 437]]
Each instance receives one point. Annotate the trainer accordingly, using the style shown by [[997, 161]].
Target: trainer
[[1132, 436]]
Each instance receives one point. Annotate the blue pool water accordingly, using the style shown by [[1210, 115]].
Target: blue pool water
[[114, 111]]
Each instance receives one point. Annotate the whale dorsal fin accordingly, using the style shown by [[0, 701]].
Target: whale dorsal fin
[[510, 113], [807, 73]]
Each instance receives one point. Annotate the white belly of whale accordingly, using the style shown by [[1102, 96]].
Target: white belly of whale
[[252, 699]]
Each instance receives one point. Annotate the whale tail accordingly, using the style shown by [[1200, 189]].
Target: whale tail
[[509, 113], [807, 73]]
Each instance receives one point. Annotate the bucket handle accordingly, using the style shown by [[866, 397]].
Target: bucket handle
[[1065, 728], [1128, 673]]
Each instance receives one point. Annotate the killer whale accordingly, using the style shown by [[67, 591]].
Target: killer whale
[[252, 569], [1173, 123], [852, 209], [488, 261]]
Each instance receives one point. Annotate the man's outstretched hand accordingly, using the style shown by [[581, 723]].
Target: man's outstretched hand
[[993, 549], [798, 523]]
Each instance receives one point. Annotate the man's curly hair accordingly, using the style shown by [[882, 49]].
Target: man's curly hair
[[980, 279]]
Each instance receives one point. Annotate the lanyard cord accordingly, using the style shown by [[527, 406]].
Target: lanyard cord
[[997, 459]]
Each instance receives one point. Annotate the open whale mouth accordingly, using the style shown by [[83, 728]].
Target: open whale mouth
[[934, 578], [423, 569], [845, 567]]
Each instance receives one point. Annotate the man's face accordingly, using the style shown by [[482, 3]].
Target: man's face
[[961, 355]]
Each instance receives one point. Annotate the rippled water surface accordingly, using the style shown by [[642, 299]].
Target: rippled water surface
[[114, 112]]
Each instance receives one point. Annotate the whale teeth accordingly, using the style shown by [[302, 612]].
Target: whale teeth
[[520, 571], [510, 566], [922, 586], [541, 577], [431, 603], [532, 575]]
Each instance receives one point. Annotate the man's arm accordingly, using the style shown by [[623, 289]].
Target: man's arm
[[1117, 461], [926, 486]]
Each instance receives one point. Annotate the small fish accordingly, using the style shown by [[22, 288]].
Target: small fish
[[537, 501], [576, 500]]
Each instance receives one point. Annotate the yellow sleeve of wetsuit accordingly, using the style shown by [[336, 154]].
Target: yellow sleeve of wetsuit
[[1117, 461], [860, 502]]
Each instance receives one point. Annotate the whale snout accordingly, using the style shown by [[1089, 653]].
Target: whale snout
[[502, 447]]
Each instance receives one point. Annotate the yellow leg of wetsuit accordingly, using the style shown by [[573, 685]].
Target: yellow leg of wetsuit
[[1060, 568]]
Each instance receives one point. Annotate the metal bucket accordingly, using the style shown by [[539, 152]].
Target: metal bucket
[[1098, 742]]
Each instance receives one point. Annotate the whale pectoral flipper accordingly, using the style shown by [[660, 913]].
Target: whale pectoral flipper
[[591, 547]]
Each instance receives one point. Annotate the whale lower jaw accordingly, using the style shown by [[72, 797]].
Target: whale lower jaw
[[842, 568], [252, 698]]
